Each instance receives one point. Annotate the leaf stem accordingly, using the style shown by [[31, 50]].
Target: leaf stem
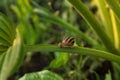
[[78, 50]]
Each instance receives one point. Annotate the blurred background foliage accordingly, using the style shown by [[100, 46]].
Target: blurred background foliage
[[45, 22]]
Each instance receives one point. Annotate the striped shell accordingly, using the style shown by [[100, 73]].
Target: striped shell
[[67, 42]]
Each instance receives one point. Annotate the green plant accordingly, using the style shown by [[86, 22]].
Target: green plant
[[15, 43]]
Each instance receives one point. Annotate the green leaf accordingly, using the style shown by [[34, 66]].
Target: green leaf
[[95, 25], [7, 33], [97, 76], [108, 76], [1, 61], [106, 17], [116, 68], [3, 34], [116, 29], [42, 75], [3, 48], [7, 27], [60, 60], [24, 13], [12, 58], [4, 42], [115, 6]]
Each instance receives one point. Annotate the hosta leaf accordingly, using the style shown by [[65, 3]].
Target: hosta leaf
[[12, 59], [7, 26], [4, 35], [3, 26], [7, 33], [4, 42], [3, 48], [1, 62], [43, 75]]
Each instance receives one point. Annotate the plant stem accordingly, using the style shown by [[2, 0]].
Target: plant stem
[[73, 50]]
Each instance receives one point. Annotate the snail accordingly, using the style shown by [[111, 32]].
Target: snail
[[67, 42]]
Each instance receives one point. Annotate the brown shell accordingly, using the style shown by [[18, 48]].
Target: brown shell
[[67, 42]]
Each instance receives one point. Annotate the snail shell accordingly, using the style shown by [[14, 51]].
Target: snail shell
[[67, 42]]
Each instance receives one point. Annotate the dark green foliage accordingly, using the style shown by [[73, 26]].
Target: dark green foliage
[[30, 31]]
